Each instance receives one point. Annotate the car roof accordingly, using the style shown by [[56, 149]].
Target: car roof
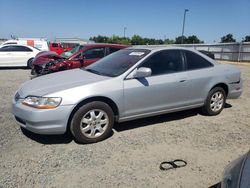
[[155, 48], [18, 45], [159, 47], [104, 44]]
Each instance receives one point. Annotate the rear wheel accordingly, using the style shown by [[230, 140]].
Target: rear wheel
[[215, 101], [29, 63], [92, 122]]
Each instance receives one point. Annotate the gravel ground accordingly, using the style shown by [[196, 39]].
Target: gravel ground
[[131, 156]]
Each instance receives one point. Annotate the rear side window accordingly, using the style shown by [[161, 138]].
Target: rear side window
[[195, 61], [6, 49], [112, 50]]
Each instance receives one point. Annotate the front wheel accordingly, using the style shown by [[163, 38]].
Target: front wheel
[[92, 122], [215, 101]]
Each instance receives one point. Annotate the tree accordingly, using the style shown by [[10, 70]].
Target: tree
[[99, 39], [188, 40], [227, 38], [247, 38], [169, 41], [137, 40], [193, 40], [178, 39]]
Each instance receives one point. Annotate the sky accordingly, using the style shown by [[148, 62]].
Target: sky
[[209, 20]]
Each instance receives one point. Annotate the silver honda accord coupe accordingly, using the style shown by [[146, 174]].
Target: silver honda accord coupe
[[136, 82]]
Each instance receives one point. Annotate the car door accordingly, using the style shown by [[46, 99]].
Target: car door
[[5, 56], [93, 54], [199, 73], [21, 55], [164, 90]]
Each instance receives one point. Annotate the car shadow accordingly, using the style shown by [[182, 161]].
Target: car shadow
[[48, 139], [13, 68], [159, 119], [227, 105], [156, 119], [52, 139]]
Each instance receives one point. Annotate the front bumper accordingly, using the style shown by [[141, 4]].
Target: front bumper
[[42, 121]]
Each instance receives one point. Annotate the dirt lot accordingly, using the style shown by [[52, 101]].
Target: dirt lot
[[131, 156]]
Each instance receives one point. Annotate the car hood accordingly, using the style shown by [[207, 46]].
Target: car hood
[[45, 57], [55, 82]]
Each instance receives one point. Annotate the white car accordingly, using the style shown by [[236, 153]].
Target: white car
[[17, 55]]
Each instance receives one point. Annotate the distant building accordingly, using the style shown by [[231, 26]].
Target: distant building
[[2, 41]]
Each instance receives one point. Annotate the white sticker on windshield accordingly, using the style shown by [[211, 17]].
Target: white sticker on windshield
[[137, 53]]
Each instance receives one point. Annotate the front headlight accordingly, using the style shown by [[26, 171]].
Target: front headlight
[[42, 102]]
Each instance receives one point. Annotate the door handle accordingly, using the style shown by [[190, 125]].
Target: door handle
[[183, 80]]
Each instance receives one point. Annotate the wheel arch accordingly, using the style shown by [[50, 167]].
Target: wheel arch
[[223, 86], [30, 59], [106, 100]]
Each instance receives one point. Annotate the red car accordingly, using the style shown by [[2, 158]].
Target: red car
[[48, 62], [59, 48]]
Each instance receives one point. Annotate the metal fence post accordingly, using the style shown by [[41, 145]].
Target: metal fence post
[[240, 48]]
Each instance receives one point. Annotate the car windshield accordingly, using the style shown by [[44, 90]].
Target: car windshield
[[118, 62], [71, 52], [76, 49]]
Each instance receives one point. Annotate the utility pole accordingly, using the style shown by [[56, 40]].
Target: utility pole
[[183, 26], [124, 32]]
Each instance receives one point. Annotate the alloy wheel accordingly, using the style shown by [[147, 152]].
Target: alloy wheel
[[94, 123], [217, 101]]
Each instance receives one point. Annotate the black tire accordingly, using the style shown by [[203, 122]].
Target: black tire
[[207, 109], [77, 126], [29, 63]]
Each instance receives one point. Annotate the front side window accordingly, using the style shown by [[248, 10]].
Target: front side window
[[94, 53], [195, 61], [164, 62]]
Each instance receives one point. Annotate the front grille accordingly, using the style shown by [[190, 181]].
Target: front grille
[[20, 120]]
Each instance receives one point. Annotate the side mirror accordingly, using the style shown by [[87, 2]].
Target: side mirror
[[142, 72]]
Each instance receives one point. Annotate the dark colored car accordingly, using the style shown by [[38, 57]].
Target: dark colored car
[[50, 62], [236, 174]]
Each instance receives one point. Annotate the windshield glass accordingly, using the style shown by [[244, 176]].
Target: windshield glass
[[76, 49], [118, 62], [72, 51]]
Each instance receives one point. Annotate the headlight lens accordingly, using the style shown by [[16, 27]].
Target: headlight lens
[[42, 102]]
